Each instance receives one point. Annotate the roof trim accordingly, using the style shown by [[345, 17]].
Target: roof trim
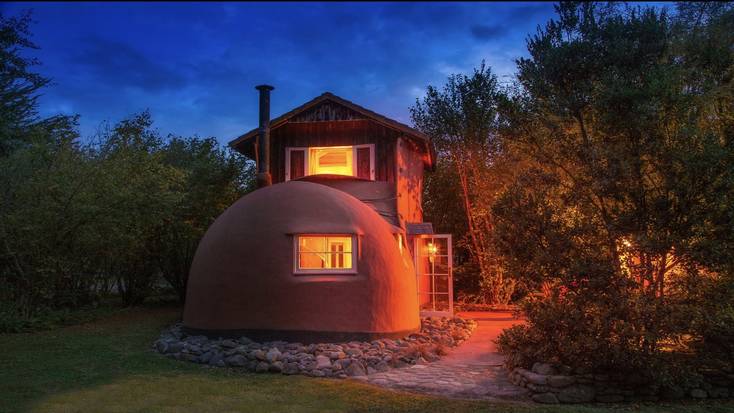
[[382, 120], [419, 228]]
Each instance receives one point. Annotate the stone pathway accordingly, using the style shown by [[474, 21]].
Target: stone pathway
[[473, 370]]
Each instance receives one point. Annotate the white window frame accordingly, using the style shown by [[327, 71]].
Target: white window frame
[[307, 155], [325, 271]]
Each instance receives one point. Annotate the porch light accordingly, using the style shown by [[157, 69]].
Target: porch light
[[432, 251]]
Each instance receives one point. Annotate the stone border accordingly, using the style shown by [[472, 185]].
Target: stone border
[[547, 385], [338, 360]]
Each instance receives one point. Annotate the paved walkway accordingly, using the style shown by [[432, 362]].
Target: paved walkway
[[472, 370]]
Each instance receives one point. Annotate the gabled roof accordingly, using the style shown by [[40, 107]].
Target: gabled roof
[[414, 134]]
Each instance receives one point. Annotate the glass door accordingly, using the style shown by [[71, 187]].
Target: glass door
[[434, 264]]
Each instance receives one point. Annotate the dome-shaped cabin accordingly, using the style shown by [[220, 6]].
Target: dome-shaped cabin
[[333, 243], [302, 261]]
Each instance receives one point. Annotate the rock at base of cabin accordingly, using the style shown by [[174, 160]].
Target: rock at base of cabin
[[262, 367], [340, 360], [356, 369], [236, 361]]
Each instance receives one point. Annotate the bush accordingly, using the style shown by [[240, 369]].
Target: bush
[[11, 320], [122, 215], [520, 348], [624, 212]]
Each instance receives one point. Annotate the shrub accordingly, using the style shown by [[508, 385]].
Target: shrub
[[624, 212]]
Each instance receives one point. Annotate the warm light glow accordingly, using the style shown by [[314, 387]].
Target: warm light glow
[[318, 252], [432, 248], [337, 160], [625, 255]]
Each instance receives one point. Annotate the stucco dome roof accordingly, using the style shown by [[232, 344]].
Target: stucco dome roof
[[242, 278]]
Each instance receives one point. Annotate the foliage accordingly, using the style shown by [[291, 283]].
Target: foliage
[[117, 215], [83, 221], [19, 86], [52, 318], [625, 210], [462, 121], [213, 179]]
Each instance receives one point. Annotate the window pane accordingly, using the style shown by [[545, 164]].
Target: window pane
[[440, 265], [312, 244], [441, 283], [325, 252], [335, 161], [340, 261], [310, 261], [341, 242]]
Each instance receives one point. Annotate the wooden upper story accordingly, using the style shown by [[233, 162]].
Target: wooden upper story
[[338, 143]]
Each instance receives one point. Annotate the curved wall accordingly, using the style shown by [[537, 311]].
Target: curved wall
[[242, 279]]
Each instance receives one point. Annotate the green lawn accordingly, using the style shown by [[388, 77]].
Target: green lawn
[[106, 366]]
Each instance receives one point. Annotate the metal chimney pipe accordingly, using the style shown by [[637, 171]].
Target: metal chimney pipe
[[263, 140]]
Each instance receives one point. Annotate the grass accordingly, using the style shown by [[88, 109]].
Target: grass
[[107, 365]]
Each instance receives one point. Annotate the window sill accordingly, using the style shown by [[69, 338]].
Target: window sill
[[320, 272]]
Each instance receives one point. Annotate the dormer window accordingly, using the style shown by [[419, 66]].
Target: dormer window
[[355, 160]]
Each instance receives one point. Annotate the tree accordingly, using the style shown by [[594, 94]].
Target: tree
[[81, 221], [214, 178], [626, 121], [19, 86], [138, 193], [462, 121]]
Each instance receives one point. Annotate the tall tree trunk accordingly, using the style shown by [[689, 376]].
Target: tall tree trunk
[[463, 179]]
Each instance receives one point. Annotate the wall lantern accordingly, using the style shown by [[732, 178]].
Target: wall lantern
[[432, 250]]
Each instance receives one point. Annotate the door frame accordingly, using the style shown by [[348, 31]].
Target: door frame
[[417, 256]]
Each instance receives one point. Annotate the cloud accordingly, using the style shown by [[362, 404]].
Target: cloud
[[528, 12], [488, 32], [120, 65], [194, 65]]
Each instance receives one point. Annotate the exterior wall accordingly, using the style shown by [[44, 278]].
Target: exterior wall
[[334, 133], [409, 185], [242, 277]]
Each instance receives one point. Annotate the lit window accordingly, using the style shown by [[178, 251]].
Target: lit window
[[357, 161], [337, 160], [324, 253]]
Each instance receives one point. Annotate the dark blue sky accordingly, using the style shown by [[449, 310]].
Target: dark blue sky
[[194, 65]]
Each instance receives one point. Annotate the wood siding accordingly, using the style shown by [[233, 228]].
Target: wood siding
[[327, 111], [335, 133], [409, 181]]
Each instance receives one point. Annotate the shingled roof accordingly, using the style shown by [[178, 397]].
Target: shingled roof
[[409, 132]]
